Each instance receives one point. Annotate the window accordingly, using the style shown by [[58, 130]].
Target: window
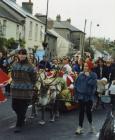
[[4, 27], [36, 32], [41, 33], [17, 32], [0, 28], [30, 30], [68, 36]]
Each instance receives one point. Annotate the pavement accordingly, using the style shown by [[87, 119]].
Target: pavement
[[62, 129]]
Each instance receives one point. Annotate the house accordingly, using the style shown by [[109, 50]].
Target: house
[[19, 23], [51, 50], [10, 26], [69, 32], [62, 46]]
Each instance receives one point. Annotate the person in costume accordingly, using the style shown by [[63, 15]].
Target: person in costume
[[4, 78]]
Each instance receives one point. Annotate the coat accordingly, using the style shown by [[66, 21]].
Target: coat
[[4, 78], [85, 86]]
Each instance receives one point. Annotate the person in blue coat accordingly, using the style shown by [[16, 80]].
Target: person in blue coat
[[85, 87]]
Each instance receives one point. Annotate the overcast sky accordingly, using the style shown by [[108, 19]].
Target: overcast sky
[[100, 12]]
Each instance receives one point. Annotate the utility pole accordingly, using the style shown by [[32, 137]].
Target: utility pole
[[82, 51], [46, 24], [90, 34]]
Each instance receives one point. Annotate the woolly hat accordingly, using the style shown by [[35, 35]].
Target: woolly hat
[[90, 65]]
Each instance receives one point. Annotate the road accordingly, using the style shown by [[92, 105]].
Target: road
[[62, 129]]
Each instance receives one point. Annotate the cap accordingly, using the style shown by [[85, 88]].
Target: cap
[[22, 51]]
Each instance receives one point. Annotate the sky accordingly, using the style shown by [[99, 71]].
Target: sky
[[97, 12]]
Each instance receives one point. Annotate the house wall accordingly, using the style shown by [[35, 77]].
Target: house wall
[[33, 40], [64, 32], [78, 39], [11, 11], [24, 29], [63, 47], [51, 51], [11, 29]]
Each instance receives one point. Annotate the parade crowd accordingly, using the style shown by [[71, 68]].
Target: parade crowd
[[86, 80]]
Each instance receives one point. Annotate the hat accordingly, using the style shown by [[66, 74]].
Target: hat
[[104, 79], [22, 51]]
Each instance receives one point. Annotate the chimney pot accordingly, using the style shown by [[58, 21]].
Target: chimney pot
[[14, 1], [58, 18], [69, 20], [28, 6]]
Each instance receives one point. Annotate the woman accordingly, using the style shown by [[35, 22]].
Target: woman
[[23, 80], [3, 82], [85, 87]]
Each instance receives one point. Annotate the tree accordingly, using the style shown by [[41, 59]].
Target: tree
[[22, 43], [11, 43], [89, 49]]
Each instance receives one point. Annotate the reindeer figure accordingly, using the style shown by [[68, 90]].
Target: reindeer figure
[[47, 92]]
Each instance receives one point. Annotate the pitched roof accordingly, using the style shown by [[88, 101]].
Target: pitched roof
[[51, 34], [65, 25], [19, 9], [5, 14]]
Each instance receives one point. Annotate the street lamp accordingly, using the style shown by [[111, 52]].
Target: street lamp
[[46, 24]]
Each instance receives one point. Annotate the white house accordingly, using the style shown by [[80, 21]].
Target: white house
[[19, 23], [64, 47]]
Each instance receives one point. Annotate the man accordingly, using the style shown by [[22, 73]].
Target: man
[[44, 64], [23, 80]]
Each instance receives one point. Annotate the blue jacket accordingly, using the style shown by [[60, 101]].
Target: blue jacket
[[85, 86], [76, 68]]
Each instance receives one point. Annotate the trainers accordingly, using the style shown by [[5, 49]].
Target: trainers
[[79, 130], [52, 120], [92, 129], [42, 122]]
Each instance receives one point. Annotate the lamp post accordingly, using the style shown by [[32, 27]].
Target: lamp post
[[45, 37]]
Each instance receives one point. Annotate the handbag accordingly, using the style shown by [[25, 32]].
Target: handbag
[[106, 99]]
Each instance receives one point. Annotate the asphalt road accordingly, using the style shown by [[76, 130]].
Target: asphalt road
[[62, 129]]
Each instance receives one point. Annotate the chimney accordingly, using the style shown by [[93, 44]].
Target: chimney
[[28, 6], [50, 22], [69, 20], [41, 17], [58, 18]]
